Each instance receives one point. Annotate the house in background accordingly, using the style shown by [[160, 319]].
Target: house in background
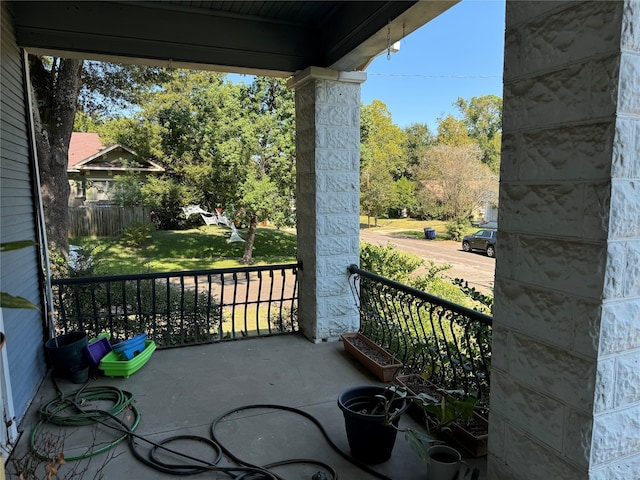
[[93, 166]]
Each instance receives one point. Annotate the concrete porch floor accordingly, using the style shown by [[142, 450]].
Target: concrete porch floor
[[181, 391]]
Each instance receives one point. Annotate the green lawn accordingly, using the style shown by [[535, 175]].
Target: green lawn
[[207, 247], [201, 248], [411, 227]]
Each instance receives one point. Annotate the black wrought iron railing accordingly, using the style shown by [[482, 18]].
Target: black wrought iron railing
[[181, 308], [447, 342]]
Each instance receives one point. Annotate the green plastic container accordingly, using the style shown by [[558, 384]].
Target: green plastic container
[[113, 366]]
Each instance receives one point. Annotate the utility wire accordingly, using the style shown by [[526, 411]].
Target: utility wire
[[420, 75]]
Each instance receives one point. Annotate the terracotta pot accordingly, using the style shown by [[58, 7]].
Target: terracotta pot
[[383, 365]]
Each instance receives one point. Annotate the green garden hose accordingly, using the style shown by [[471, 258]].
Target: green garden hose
[[65, 410]]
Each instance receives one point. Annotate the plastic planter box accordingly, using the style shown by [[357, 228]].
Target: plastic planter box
[[130, 348], [113, 366], [96, 351], [372, 356]]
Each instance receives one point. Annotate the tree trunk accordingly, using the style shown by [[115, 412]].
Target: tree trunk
[[251, 237], [55, 96]]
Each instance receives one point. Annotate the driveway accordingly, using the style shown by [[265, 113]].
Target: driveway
[[476, 268]]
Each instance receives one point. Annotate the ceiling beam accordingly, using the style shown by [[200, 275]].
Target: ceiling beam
[[138, 30]]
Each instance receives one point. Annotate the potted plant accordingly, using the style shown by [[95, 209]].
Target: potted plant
[[371, 416], [371, 355], [471, 434], [444, 462]]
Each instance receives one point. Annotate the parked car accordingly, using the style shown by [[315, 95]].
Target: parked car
[[484, 240]]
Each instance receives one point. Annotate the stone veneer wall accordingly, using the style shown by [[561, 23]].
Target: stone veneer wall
[[565, 392], [328, 198]]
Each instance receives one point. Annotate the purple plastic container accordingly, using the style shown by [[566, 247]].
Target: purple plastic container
[[95, 351]]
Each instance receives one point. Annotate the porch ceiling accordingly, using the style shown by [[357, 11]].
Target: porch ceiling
[[274, 38]]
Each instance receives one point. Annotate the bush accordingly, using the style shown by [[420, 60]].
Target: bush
[[169, 314], [165, 197], [456, 229], [137, 234], [387, 261]]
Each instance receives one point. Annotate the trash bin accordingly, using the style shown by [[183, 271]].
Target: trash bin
[[429, 234]]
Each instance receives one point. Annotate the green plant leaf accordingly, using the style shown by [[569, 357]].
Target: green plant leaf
[[5, 247], [419, 443], [9, 301]]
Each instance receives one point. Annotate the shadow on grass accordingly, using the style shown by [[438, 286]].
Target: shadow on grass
[[196, 249]]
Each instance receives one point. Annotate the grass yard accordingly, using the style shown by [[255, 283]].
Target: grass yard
[[411, 227], [208, 247], [204, 247]]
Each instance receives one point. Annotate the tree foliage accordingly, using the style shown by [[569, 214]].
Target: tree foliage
[[453, 132], [456, 178], [383, 139], [60, 87], [418, 139], [226, 145], [482, 117], [382, 159]]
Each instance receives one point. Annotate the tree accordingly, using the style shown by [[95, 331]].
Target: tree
[[404, 195], [382, 159], [384, 140], [229, 145], [418, 139], [268, 190], [56, 86], [482, 117], [453, 132], [135, 133], [61, 86], [457, 179], [376, 192]]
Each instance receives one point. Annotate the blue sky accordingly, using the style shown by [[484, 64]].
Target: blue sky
[[458, 54]]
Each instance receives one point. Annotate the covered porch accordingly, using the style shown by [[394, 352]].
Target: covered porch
[[566, 341], [181, 391]]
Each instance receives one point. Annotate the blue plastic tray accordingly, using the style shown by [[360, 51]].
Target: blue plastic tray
[[130, 348]]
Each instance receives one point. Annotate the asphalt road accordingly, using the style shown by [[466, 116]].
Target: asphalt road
[[475, 268]]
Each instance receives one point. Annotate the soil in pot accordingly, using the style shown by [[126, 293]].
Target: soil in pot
[[474, 426], [370, 352], [374, 358]]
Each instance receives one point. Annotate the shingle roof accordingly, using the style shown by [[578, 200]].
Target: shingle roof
[[82, 146]]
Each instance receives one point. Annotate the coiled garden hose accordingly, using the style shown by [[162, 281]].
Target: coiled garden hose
[[67, 410], [308, 416]]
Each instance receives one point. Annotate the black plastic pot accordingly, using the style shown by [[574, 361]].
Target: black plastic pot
[[369, 439], [66, 353]]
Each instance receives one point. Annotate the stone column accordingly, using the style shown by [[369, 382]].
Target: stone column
[[565, 391], [328, 198]]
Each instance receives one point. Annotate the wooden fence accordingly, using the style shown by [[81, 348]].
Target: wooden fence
[[104, 221]]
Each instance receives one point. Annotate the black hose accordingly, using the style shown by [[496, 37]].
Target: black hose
[[51, 412], [308, 416]]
